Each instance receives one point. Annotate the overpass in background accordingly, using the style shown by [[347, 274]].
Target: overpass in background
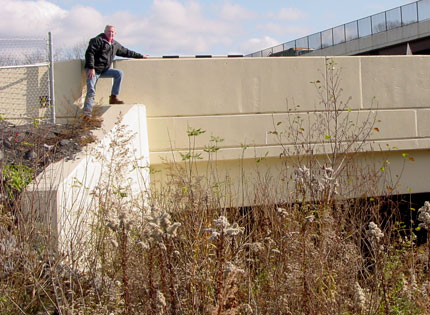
[[399, 31]]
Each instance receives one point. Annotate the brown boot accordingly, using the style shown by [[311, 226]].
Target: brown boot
[[113, 99]]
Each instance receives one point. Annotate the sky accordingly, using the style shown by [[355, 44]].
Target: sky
[[182, 27]]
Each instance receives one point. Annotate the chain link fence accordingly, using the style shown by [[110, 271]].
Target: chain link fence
[[26, 80]]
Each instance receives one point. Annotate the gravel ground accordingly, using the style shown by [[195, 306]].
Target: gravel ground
[[36, 146]]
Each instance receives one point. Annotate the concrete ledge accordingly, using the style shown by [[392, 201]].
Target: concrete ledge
[[241, 180], [255, 152], [170, 133], [63, 194]]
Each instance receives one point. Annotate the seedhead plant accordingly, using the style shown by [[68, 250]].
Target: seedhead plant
[[333, 245]]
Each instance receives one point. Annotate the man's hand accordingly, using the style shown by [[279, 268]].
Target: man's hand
[[91, 73], [145, 56]]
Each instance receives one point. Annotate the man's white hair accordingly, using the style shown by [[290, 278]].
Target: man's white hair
[[108, 26]]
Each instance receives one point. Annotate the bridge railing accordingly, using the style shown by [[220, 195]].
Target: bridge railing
[[404, 15]]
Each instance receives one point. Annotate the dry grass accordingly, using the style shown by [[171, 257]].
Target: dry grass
[[182, 255]]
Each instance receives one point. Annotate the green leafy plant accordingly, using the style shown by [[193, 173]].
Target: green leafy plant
[[16, 177]]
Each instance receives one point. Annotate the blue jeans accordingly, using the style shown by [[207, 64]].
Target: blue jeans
[[91, 87]]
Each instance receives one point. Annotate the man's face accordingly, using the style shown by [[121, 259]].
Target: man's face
[[110, 33]]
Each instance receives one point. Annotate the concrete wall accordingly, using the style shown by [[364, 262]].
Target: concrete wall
[[241, 99], [69, 87], [67, 193]]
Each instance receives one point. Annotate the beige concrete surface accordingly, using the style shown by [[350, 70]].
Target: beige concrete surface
[[69, 85], [242, 100], [396, 81], [229, 86], [65, 194], [257, 129]]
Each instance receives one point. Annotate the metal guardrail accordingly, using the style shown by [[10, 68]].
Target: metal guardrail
[[404, 15]]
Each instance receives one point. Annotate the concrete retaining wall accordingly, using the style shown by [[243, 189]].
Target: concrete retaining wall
[[65, 194], [240, 99]]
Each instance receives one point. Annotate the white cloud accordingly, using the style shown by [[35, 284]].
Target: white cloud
[[291, 14], [288, 14], [169, 27], [236, 12], [283, 30], [73, 27], [37, 18], [271, 28], [256, 44], [176, 28], [28, 18]]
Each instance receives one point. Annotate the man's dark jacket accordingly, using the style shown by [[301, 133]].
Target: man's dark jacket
[[100, 53]]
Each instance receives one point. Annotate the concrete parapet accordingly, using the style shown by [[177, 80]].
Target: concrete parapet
[[69, 85]]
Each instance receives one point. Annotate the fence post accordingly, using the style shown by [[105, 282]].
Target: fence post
[[51, 79]]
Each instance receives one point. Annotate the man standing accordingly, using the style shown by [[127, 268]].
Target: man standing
[[98, 60]]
